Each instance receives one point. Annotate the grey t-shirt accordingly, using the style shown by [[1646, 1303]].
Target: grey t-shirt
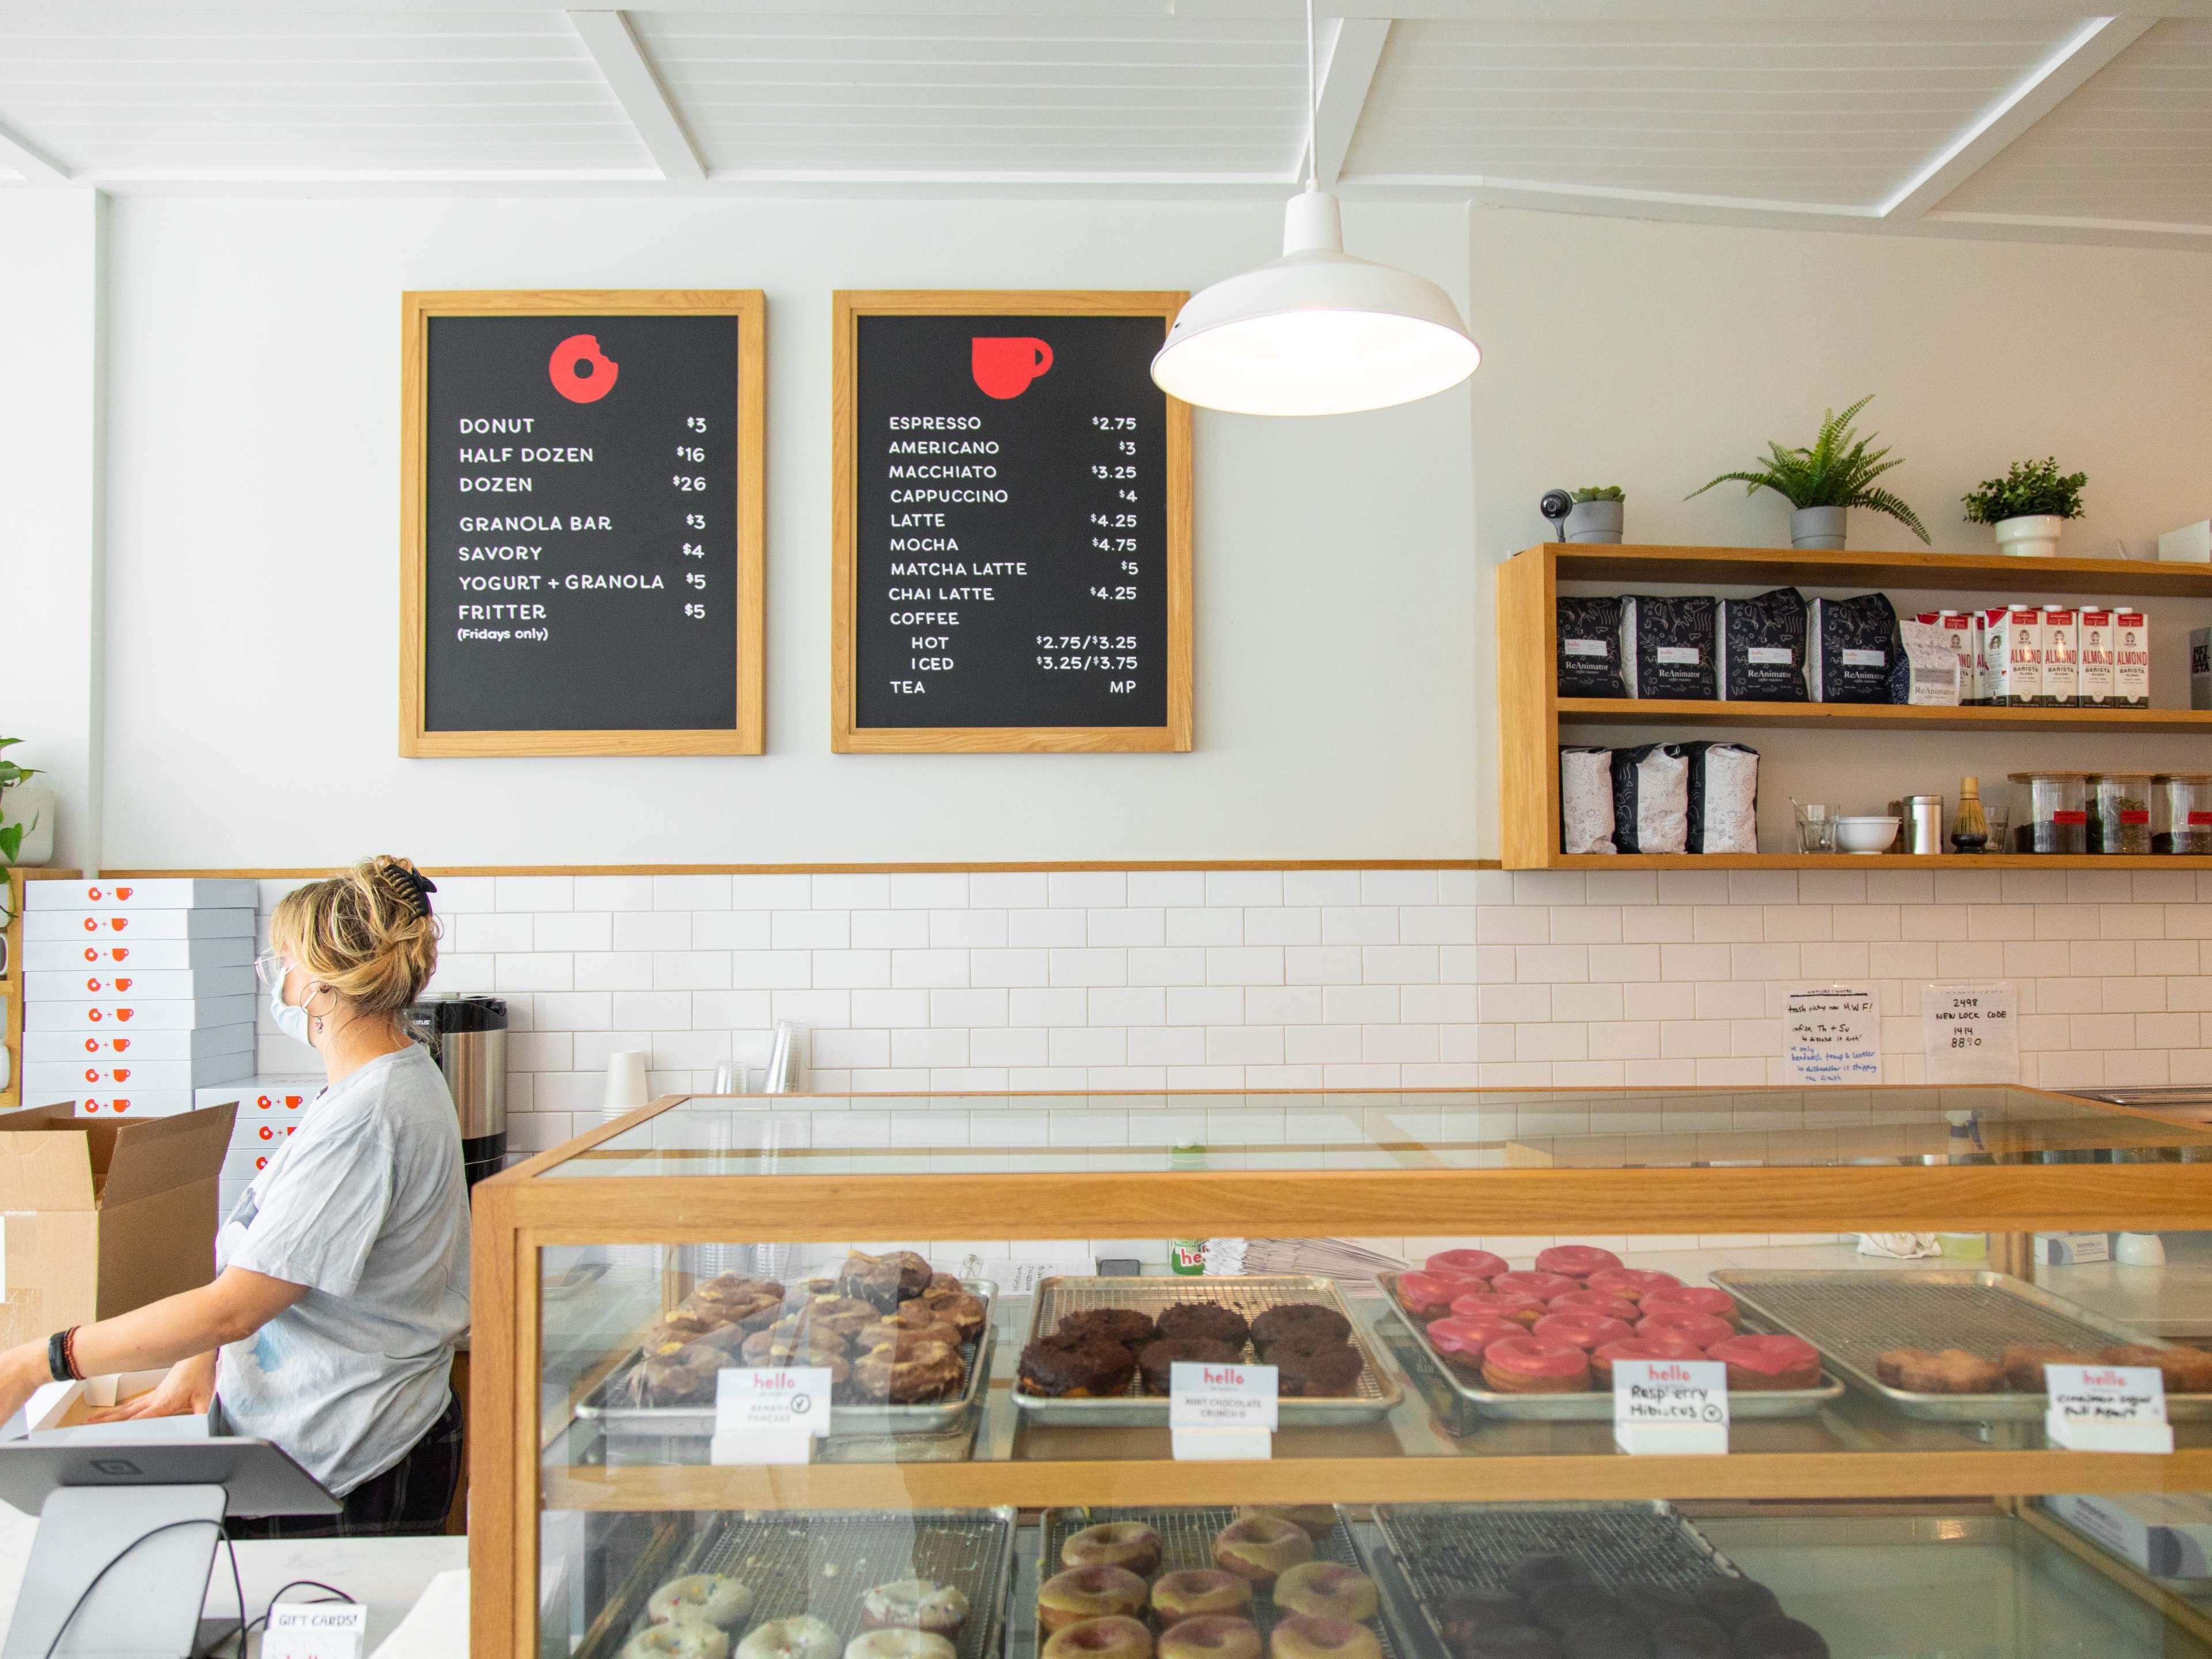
[[366, 1206]]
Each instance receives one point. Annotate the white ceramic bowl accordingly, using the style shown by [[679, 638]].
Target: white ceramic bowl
[[1866, 834]]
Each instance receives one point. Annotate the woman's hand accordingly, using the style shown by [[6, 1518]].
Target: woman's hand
[[23, 1372], [184, 1392]]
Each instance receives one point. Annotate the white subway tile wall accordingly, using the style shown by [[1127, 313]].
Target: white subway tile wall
[[1299, 979]]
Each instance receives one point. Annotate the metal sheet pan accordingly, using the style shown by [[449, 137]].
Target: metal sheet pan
[[1470, 1399], [1852, 1316], [1248, 1294], [1186, 1536], [619, 1422]]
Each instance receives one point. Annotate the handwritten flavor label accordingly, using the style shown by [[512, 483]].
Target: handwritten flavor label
[[1221, 1412], [1970, 1033], [770, 1416], [315, 1630], [2119, 1408], [1673, 1407], [1829, 1037]]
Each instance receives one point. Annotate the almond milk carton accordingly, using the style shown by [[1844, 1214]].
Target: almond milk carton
[[2131, 659], [2098, 658], [2015, 653], [2062, 657]]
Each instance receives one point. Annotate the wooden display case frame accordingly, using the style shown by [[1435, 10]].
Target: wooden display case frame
[[517, 1214], [1532, 715], [11, 976]]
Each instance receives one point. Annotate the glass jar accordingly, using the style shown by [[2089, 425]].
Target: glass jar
[[2049, 813], [2181, 812], [2119, 812]]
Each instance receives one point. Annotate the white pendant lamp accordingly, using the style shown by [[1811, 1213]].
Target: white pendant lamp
[[1317, 332]]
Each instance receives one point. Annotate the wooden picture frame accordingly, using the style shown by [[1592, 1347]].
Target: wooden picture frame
[[747, 734], [847, 737]]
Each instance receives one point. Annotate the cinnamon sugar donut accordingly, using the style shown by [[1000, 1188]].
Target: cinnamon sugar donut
[[1199, 1593], [1301, 1636], [1475, 1264], [1775, 1362], [1129, 1544], [1541, 1285], [1951, 1371], [2186, 1370], [1070, 1597], [1259, 1548], [1631, 1283], [1518, 1306], [1696, 1298], [1326, 1590], [1529, 1365], [1585, 1331], [1575, 1261], [1100, 1639], [1211, 1636], [2022, 1363]]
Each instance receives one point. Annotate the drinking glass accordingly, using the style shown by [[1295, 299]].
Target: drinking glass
[[1816, 827], [1998, 811]]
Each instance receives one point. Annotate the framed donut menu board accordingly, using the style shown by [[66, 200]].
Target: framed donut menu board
[[1012, 525], [581, 530]]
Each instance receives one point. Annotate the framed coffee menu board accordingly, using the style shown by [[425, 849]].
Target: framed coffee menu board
[[1012, 523], [581, 528]]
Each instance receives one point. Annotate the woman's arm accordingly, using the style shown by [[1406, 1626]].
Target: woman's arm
[[238, 1303]]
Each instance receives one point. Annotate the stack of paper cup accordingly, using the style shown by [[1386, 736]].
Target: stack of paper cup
[[136, 992]]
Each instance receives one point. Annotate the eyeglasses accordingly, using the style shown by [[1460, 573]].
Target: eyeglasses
[[271, 967]]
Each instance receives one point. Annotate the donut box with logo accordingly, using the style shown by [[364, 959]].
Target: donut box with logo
[[118, 1014], [101, 1073], [120, 955], [89, 927], [136, 897], [172, 985], [133, 1103], [110, 1043]]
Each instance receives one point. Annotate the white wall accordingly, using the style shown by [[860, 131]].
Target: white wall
[[255, 562], [1656, 355], [50, 260]]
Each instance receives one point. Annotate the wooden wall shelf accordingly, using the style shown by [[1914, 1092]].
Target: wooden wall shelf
[[1531, 714]]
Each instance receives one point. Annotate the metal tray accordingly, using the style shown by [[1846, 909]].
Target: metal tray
[[618, 1422], [1852, 1316], [1438, 1550], [1591, 1406], [1187, 1538], [823, 1564], [1250, 1294]]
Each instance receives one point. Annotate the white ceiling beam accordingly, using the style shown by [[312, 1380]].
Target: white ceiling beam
[[2099, 42], [607, 35], [1346, 76], [30, 162]]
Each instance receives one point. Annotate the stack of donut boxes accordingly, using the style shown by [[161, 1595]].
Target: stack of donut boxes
[[138, 1001]]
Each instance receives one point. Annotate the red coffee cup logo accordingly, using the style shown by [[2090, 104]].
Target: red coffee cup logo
[[124, 892], [119, 923], [1005, 365], [118, 1044], [122, 1074], [580, 372]]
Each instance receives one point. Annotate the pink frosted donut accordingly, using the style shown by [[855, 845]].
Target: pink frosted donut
[[1768, 1362], [1702, 1329], [1697, 1298], [1529, 1365], [1592, 1301], [1501, 1304], [1542, 1285], [1463, 1341], [1476, 1264], [1575, 1261], [1429, 1295], [1585, 1331], [1639, 1347], [1631, 1284]]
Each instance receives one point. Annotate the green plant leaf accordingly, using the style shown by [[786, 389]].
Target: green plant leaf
[[1837, 469], [11, 841]]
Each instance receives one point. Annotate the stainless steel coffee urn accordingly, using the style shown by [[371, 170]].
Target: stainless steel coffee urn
[[467, 1037]]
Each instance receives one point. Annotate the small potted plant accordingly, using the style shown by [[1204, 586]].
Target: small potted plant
[[1596, 514], [22, 839], [1823, 483], [2028, 506]]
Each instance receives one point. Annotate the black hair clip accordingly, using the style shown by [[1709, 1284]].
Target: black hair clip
[[420, 886]]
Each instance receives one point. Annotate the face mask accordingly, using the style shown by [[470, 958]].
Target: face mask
[[291, 1021]]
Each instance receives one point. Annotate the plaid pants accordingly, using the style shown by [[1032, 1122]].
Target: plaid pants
[[411, 1498]]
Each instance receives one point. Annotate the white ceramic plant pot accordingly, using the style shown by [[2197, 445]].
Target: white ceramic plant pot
[[2035, 536], [1819, 527], [32, 804], [1596, 521]]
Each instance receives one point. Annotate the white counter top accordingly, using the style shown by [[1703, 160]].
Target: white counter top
[[389, 1574]]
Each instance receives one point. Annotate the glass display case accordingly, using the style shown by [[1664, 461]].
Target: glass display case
[[968, 1291]]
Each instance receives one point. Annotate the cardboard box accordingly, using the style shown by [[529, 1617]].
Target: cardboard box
[[120, 1042], [2165, 1534], [128, 954], [163, 893], [101, 1216], [113, 1014], [76, 924], [2191, 544]]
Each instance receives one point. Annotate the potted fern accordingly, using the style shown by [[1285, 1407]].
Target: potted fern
[[1597, 514], [1826, 481], [2028, 506]]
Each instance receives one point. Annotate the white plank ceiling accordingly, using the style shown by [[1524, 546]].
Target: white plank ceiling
[[1977, 117]]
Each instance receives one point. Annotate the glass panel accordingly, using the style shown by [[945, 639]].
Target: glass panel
[[922, 1134]]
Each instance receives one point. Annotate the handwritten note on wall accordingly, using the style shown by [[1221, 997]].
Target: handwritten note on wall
[[1971, 1033], [1828, 1036]]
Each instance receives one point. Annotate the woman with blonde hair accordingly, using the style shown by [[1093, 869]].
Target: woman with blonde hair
[[343, 1275]]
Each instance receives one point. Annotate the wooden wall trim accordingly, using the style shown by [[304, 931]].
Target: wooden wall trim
[[978, 867]]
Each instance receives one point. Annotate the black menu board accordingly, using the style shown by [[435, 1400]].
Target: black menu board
[[584, 558], [1013, 525]]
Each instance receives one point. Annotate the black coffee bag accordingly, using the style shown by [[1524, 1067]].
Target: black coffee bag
[[1651, 798], [1762, 654], [1589, 648], [1855, 648], [1667, 645], [1724, 798]]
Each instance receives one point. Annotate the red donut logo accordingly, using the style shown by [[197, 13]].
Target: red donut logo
[[91, 1075], [93, 986], [91, 1045], [580, 372], [92, 924], [90, 954], [93, 893], [91, 1014]]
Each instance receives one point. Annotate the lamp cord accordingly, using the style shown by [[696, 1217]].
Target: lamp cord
[[84, 1595], [1313, 108]]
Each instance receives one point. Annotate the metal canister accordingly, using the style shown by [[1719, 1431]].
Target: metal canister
[[467, 1037], [1923, 823]]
